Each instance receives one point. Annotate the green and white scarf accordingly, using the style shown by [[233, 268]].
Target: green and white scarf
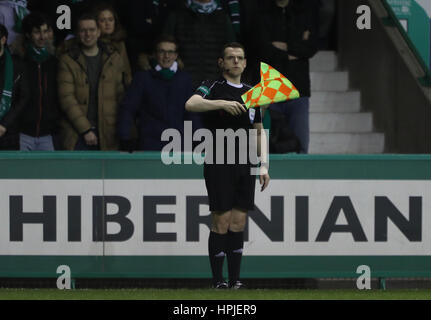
[[234, 12], [36, 54], [231, 6], [6, 96], [206, 8], [167, 73]]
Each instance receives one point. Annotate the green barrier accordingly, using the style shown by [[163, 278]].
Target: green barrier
[[110, 215]]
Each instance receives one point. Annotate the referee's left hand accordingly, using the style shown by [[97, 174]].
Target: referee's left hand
[[264, 181]]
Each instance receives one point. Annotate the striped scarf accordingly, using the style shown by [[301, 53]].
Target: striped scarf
[[234, 11], [6, 96], [38, 55]]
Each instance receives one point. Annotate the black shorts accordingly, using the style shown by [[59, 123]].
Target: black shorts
[[230, 186]]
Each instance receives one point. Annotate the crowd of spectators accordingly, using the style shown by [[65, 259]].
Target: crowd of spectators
[[123, 73]]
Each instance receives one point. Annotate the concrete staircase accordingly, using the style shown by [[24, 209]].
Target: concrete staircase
[[337, 125]]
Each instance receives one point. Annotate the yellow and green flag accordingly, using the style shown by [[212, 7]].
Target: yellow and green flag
[[273, 88]]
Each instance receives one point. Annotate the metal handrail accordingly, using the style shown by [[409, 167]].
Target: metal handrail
[[392, 20]]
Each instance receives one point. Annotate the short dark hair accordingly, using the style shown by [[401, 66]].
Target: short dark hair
[[34, 20], [231, 45], [86, 16], [3, 31], [165, 38]]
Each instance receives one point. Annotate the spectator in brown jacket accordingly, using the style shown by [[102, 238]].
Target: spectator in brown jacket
[[91, 85]]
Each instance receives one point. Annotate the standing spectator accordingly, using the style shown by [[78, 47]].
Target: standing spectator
[[14, 94], [12, 12], [158, 97], [138, 18], [144, 21], [289, 34], [39, 121], [202, 29], [90, 82], [162, 9], [113, 33]]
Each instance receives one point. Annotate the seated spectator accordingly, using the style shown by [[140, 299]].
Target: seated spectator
[[90, 84], [202, 29], [113, 33], [14, 94], [39, 119], [157, 97]]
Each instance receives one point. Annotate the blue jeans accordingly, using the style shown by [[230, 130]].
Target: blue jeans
[[28, 143], [297, 114]]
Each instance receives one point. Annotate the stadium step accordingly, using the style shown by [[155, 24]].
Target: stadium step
[[324, 101], [346, 143], [337, 125], [324, 61], [330, 81], [341, 122]]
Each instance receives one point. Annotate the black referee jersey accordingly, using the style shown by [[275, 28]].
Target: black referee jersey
[[229, 185], [222, 89]]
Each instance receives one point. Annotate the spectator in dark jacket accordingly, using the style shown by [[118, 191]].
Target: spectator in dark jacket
[[288, 30], [202, 28], [39, 121], [138, 18], [156, 97], [14, 94]]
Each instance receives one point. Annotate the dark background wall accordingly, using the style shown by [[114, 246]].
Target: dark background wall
[[389, 89]]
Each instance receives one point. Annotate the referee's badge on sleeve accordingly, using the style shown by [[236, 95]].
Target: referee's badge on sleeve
[[252, 114]]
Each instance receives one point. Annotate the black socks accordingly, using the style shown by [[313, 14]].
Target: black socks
[[221, 245], [217, 252], [234, 255]]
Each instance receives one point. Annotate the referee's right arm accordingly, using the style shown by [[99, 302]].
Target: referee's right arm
[[198, 104]]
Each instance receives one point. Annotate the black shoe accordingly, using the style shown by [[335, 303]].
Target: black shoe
[[237, 285], [221, 285]]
